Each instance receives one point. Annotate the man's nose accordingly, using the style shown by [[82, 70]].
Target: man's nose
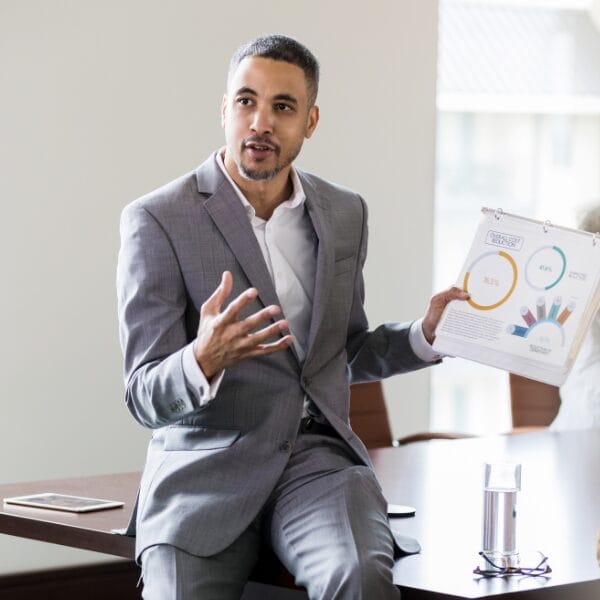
[[262, 121]]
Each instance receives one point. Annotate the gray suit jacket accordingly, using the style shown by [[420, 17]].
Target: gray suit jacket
[[210, 469]]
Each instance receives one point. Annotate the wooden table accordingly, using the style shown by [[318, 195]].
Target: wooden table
[[89, 531], [558, 513]]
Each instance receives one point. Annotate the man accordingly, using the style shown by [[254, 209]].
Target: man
[[242, 324]]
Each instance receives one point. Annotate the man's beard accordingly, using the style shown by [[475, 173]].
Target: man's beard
[[266, 174], [258, 175]]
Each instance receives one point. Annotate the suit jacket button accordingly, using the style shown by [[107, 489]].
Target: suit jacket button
[[285, 447]]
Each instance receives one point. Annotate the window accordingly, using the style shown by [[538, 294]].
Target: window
[[519, 129]]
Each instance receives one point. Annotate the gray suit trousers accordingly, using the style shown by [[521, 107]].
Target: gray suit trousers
[[326, 520]]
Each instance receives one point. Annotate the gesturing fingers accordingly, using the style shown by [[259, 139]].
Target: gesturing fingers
[[215, 300], [270, 348], [251, 340], [224, 339], [232, 312], [252, 322], [230, 315]]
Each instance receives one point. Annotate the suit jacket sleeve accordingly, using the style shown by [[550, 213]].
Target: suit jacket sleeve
[[385, 351], [152, 302]]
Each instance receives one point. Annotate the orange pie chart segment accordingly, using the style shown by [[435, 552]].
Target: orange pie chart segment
[[490, 280]]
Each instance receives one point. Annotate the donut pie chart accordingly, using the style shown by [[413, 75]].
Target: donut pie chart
[[490, 280], [545, 267]]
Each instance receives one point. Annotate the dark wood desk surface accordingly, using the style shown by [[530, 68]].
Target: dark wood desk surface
[[559, 513], [89, 531]]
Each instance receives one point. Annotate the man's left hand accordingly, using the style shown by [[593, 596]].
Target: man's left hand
[[437, 304]]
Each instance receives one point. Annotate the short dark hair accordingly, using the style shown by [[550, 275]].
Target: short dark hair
[[286, 49]]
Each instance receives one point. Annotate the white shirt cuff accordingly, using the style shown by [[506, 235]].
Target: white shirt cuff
[[196, 381], [420, 346]]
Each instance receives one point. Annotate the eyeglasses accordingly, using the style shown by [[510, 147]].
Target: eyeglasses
[[542, 568]]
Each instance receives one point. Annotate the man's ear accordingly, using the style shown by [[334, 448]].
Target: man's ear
[[311, 121], [223, 109]]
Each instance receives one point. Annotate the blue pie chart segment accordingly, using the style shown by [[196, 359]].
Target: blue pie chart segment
[[545, 268]]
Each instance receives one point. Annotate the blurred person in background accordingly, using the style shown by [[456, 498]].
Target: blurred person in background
[[580, 394]]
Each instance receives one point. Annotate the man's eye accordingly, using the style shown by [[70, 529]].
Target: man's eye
[[244, 101], [280, 106]]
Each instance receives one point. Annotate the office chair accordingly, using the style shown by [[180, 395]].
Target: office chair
[[369, 419], [533, 404]]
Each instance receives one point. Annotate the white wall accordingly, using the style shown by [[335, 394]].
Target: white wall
[[101, 102]]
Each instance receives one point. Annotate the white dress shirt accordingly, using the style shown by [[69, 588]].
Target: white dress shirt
[[289, 247]]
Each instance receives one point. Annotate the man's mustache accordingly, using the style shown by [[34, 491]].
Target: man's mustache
[[257, 140]]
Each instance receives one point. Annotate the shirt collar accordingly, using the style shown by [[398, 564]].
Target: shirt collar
[[297, 198]]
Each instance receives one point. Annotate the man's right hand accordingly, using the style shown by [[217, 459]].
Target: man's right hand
[[224, 340]]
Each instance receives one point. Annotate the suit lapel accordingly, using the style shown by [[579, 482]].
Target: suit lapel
[[229, 215], [230, 218], [320, 216]]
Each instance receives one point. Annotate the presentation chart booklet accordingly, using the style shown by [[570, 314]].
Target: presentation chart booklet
[[534, 289]]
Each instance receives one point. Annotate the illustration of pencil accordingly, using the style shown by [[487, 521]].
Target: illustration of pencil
[[527, 315], [564, 315], [517, 330], [555, 307], [540, 307]]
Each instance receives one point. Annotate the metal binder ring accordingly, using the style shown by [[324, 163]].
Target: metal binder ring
[[546, 226], [498, 213]]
